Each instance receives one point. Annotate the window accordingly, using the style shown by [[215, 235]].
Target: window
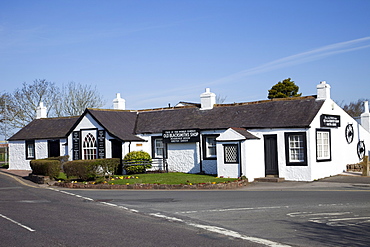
[[231, 152], [30, 150], [158, 148], [89, 147], [323, 152], [209, 146], [295, 148]]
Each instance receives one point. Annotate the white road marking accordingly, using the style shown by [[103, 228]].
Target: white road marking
[[223, 231], [17, 223], [210, 228], [229, 209]]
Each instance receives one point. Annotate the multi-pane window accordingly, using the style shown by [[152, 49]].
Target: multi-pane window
[[296, 148], [209, 146], [89, 147], [158, 148], [323, 145], [30, 149], [231, 153]]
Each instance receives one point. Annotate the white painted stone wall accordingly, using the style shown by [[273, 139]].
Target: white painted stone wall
[[17, 156], [226, 170], [183, 157], [253, 164]]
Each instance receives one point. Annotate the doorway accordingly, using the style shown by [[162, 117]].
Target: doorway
[[271, 155]]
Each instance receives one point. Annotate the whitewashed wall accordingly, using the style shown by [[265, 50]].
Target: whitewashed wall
[[253, 164], [17, 156], [183, 157], [227, 170], [342, 153]]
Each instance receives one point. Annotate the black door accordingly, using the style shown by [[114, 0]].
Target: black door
[[54, 148], [117, 152], [271, 157]]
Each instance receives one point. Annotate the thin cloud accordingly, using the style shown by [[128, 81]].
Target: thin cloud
[[304, 57]]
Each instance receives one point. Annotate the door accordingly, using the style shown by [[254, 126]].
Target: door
[[117, 153], [53, 148], [271, 157]]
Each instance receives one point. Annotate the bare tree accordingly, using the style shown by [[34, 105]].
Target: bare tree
[[75, 98], [220, 99], [26, 100], [354, 109]]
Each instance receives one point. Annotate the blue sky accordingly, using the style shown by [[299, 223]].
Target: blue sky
[[160, 52]]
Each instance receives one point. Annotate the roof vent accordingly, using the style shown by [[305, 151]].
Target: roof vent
[[119, 103], [365, 117], [323, 91], [207, 99], [41, 111]]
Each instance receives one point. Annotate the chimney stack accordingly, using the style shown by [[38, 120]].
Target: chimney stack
[[323, 91], [41, 111], [365, 117], [207, 100], [119, 103]]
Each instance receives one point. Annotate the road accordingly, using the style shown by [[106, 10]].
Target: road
[[288, 214]]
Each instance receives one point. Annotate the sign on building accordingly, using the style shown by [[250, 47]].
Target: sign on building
[[329, 120], [181, 136]]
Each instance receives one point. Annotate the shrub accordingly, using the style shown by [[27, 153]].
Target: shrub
[[137, 162], [82, 169], [90, 169], [45, 167]]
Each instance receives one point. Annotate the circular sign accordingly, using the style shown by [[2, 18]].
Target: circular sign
[[349, 133], [361, 149]]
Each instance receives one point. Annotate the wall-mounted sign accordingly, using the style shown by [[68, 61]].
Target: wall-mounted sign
[[329, 120], [181, 136], [101, 144], [76, 137]]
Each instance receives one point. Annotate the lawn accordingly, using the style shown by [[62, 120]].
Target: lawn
[[168, 178]]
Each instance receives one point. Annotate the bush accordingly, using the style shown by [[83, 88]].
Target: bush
[[90, 169], [45, 167], [137, 162]]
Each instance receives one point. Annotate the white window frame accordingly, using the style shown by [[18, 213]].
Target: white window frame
[[30, 150], [209, 146], [158, 148], [296, 148], [89, 147], [323, 145]]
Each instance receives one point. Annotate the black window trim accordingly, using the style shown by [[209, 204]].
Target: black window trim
[[237, 156], [153, 138], [287, 156], [204, 146], [323, 130], [28, 142]]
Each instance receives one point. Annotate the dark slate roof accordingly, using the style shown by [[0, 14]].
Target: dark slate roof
[[118, 123], [287, 113], [245, 133], [45, 128]]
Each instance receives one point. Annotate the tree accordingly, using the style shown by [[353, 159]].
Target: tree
[[28, 98], [75, 98], [21, 106], [354, 109], [284, 89]]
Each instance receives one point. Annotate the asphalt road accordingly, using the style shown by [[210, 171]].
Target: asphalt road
[[324, 213]]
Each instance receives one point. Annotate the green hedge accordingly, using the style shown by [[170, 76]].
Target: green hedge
[[90, 169], [44, 167], [137, 162]]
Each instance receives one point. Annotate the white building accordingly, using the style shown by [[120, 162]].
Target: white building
[[299, 139]]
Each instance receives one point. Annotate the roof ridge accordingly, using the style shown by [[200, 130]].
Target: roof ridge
[[266, 101]]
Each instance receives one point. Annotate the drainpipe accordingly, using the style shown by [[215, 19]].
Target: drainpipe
[[240, 158], [200, 157]]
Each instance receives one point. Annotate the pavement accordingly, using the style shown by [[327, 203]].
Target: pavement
[[353, 179]]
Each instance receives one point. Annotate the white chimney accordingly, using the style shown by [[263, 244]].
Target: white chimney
[[207, 100], [119, 103], [365, 117], [41, 111], [323, 91]]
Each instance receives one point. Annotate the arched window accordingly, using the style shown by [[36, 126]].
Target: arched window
[[89, 147]]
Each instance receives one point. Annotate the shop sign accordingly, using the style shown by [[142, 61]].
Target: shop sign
[[101, 144], [330, 121], [181, 136], [76, 137]]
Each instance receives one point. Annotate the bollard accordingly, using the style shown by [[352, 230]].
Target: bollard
[[365, 166]]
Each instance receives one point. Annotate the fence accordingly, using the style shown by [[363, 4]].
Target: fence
[[157, 165]]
